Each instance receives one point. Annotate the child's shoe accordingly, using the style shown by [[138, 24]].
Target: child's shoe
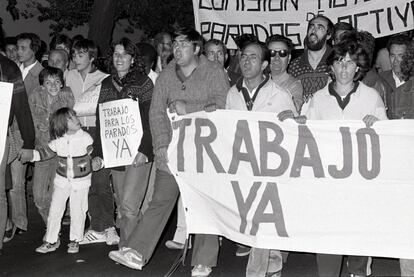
[[73, 247], [47, 247]]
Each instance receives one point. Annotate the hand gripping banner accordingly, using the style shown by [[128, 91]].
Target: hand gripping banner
[[325, 186]]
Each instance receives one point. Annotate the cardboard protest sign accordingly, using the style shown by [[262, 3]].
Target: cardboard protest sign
[[6, 90], [333, 187], [121, 131], [224, 19]]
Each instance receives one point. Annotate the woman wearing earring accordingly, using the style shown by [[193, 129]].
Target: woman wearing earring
[[128, 80]]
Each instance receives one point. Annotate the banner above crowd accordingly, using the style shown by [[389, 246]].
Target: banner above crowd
[[226, 19], [327, 186]]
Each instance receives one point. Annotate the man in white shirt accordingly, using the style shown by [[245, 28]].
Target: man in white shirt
[[28, 44], [258, 92]]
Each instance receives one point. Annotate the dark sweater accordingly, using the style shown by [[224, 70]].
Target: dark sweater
[[312, 79], [138, 87], [10, 72]]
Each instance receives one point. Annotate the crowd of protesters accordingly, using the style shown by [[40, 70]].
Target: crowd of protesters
[[54, 127]]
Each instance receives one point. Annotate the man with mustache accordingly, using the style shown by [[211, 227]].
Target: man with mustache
[[310, 68], [256, 91], [280, 48]]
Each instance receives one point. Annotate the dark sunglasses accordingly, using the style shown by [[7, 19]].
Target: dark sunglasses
[[281, 53]]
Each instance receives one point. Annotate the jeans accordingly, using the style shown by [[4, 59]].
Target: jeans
[[407, 267], [101, 201], [130, 187], [148, 231], [17, 195], [44, 174], [262, 261]]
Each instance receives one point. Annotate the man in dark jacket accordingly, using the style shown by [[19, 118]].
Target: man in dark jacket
[[20, 111], [393, 79]]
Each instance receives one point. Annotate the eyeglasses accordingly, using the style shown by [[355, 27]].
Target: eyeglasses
[[281, 53]]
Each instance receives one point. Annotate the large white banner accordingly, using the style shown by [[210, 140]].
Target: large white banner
[[225, 19], [121, 131], [326, 186], [6, 92]]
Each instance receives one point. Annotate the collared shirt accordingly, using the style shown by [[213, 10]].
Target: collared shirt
[[365, 101], [397, 80], [25, 70], [271, 98], [153, 76], [251, 92]]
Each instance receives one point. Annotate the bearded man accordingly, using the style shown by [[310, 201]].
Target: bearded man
[[311, 68]]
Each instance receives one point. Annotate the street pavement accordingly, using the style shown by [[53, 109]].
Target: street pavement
[[20, 259]]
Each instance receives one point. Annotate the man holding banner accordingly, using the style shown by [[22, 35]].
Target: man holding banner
[[189, 83], [257, 92]]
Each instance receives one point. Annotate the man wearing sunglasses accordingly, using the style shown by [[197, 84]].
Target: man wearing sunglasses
[[280, 52]]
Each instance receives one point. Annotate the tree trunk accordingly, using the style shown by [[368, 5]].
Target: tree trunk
[[102, 22]]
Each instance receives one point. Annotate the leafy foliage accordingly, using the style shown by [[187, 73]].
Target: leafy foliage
[[65, 14], [158, 15]]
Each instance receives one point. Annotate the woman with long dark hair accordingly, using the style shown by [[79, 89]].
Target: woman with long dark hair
[[128, 80]]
